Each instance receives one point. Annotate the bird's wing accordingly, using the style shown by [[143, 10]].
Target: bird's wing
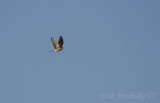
[[60, 41], [54, 42]]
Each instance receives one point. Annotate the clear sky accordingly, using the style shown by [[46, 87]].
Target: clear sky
[[111, 51]]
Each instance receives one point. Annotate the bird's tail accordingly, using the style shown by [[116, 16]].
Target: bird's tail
[[50, 51]]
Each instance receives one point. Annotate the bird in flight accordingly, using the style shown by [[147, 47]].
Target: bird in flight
[[57, 46]]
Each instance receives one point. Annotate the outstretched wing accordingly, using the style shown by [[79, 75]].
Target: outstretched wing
[[60, 41], [54, 42]]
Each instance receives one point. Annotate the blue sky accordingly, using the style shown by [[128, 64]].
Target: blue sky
[[111, 51]]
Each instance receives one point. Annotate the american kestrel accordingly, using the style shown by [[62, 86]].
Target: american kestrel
[[57, 46]]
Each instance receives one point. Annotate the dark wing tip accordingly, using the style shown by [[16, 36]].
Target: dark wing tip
[[60, 41], [61, 38]]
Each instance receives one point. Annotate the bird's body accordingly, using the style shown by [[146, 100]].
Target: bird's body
[[57, 46]]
